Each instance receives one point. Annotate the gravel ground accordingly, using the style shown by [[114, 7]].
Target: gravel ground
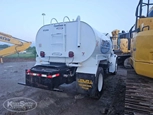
[[60, 103]]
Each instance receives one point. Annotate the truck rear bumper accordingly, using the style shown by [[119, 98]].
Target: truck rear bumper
[[84, 83], [44, 83]]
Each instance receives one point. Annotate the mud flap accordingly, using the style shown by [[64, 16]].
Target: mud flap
[[85, 83]]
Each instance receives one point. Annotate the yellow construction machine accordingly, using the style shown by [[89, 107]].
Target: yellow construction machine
[[138, 42], [142, 40], [115, 34], [18, 45], [121, 45], [138, 96]]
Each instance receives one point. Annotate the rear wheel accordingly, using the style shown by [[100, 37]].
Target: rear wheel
[[127, 64], [98, 84], [116, 68]]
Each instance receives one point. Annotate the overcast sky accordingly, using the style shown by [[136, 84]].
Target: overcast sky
[[23, 18]]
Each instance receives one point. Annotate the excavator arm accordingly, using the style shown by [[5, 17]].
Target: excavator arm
[[18, 45], [10, 39], [115, 39]]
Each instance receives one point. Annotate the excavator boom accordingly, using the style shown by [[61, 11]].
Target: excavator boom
[[19, 45], [10, 39], [14, 49]]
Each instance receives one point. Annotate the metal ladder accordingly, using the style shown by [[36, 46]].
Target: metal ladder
[[63, 34]]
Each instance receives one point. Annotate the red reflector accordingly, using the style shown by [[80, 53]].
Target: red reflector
[[52, 76], [57, 74], [28, 71], [42, 54], [49, 76], [71, 54], [39, 75]]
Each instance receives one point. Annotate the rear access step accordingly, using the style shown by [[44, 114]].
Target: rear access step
[[54, 89]]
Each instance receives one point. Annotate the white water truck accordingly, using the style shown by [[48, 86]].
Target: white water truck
[[72, 51]]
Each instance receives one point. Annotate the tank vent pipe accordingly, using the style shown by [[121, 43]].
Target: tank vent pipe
[[78, 33]]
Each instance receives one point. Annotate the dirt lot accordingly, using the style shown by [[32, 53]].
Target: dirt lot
[[60, 103]]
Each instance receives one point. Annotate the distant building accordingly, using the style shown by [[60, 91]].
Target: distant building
[[23, 52]]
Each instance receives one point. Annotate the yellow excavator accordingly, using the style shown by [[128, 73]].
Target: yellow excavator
[[18, 45], [142, 40], [139, 88], [121, 46]]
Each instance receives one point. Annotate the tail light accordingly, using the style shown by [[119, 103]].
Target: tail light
[[71, 54], [42, 54], [52, 76]]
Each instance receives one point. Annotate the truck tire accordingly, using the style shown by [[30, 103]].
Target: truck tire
[[116, 68], [127, 64], [98, 84]]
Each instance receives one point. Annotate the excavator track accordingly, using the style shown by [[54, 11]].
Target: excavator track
[[139, 94]]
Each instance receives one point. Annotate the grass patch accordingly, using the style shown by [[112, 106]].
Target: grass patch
[[22, 55]]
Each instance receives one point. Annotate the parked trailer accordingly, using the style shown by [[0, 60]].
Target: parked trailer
[[72, 51]]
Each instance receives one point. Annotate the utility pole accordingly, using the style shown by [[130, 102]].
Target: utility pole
[[43, 14]]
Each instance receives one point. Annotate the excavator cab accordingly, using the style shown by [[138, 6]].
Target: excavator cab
[[125, 42], [141, 47], [143, 22], [121, 47], [150, 14]]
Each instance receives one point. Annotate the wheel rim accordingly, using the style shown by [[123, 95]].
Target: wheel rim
[[116, 67], [100, 82]]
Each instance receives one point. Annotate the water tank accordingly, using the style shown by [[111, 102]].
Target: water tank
[[58, 40]]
